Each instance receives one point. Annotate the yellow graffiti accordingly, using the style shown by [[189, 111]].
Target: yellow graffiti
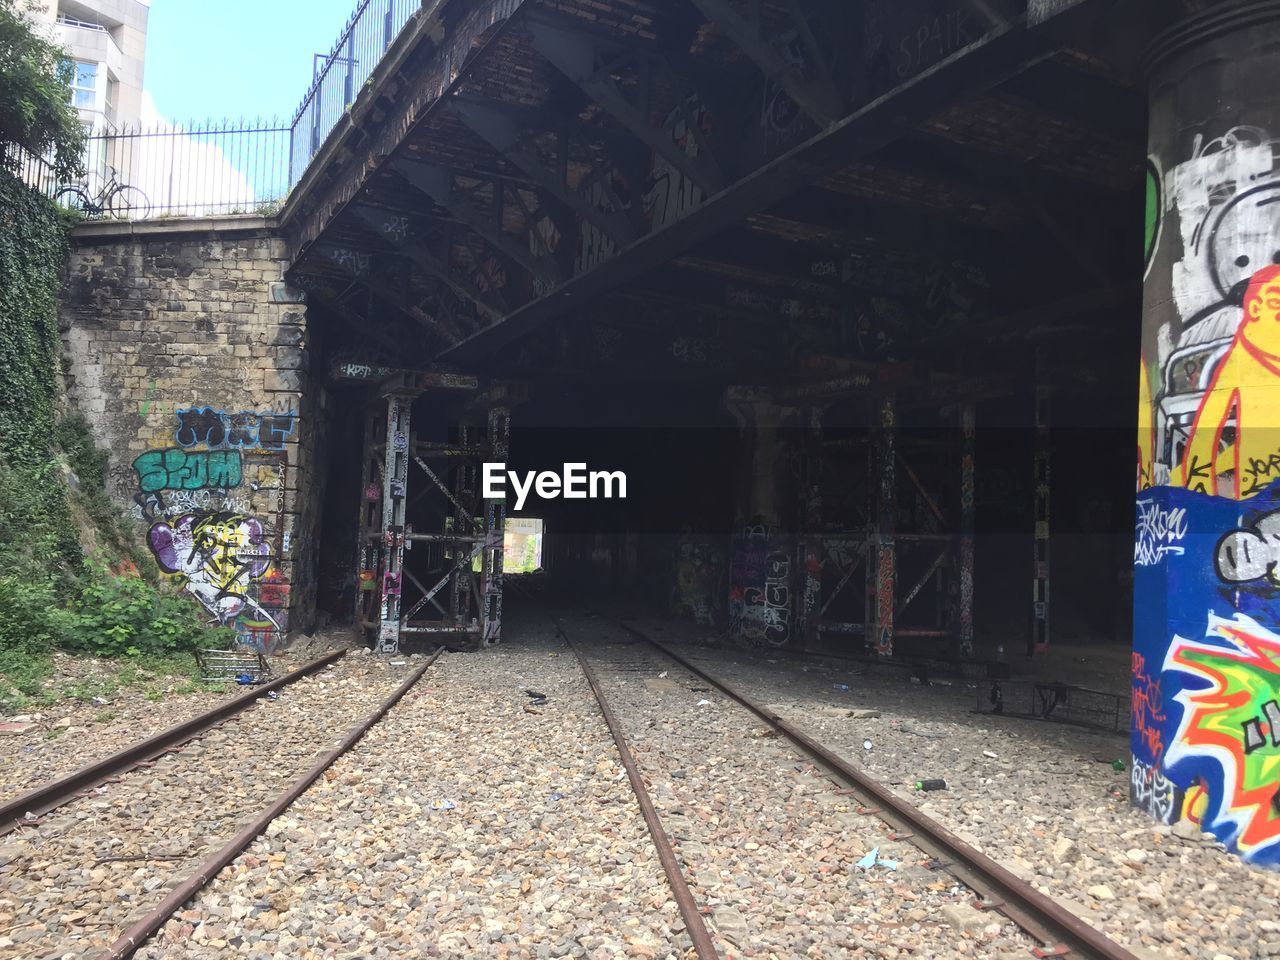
[[1235, 429]]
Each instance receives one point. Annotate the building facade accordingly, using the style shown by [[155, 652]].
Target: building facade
[[107, 39]]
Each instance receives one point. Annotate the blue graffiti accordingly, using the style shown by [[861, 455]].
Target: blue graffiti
[[216, 428]]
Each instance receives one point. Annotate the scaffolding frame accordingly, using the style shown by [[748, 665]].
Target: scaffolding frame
[[451, 587]]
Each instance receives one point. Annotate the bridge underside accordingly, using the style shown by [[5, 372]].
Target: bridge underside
[[818, 276]]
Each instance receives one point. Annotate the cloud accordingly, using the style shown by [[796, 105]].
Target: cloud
[[186, 172]]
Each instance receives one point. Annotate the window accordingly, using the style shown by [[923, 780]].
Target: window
[[84, 85], [113, 91]]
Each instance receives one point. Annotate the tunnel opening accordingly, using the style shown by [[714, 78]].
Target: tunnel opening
[[886, 411]]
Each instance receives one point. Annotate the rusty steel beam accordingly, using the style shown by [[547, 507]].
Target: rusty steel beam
[[577, 56], [497, 129], [395, 231], [985, 63], [821, 102], [437, 183]]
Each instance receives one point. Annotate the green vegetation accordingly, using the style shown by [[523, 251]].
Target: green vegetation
[[59, 530], [35, 111]]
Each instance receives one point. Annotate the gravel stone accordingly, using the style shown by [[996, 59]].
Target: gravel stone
[[1051, 782]]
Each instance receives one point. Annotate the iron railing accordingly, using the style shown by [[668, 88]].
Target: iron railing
[[370, 30], [34, 170], [235, 166], [184, 171]]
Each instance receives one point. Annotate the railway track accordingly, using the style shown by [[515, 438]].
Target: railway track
[[1050, 929], [36, 802], [101, 869]]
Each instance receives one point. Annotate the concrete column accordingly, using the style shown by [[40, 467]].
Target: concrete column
[[1206, 655]]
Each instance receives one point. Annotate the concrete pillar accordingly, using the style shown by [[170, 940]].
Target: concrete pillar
[[1206, 655]]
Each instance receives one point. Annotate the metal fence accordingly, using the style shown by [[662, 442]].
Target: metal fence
[[174, 171], [35, 171], [337, 80], [230, 167]]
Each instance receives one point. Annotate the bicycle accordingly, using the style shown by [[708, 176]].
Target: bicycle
[[116, 199]]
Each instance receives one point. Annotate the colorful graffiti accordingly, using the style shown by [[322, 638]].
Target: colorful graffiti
[[266, 431], [669, 194], [1230, 725], [1206, 674], [174, 469], [1240, 396], [217, 556], [216, 508], [1208, 369], [1206, 663]]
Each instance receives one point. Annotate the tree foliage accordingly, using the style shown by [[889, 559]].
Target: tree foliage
[[35, 76]]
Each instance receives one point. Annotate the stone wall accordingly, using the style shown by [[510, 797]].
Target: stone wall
[[187, 352]]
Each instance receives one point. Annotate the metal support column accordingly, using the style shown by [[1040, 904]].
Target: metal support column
[[394, 486], [369, 525], [882, 569], [1038, 641], [809, 544], [464, 502], [968, 420], [495, 517]]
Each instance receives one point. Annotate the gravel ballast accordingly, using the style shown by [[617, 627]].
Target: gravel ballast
[[71, 881], [469, 823], [1048, 805]]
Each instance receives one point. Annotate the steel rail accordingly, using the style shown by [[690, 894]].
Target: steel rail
[[55, 793], [137, 932], [694, 924], [1039, 915]]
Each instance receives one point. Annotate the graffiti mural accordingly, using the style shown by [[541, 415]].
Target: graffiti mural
[[1206, 425], [1206, 660], [215, 504], [760, 603], [1206, 666], [217, 556], [699, 581], [174, 469], [1229, 731], [669, 194]]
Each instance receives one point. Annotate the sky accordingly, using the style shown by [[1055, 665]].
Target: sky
[[236, 58]]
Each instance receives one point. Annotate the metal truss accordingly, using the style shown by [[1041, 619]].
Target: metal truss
[[430, 553]]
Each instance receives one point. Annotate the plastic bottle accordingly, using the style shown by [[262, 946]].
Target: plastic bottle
[[938, 784]]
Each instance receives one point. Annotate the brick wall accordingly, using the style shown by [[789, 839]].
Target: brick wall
[[187, 353]]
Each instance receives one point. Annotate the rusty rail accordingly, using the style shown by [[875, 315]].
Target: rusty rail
[[696, 927], [55, 793], [138, 931], [1040, 916]]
